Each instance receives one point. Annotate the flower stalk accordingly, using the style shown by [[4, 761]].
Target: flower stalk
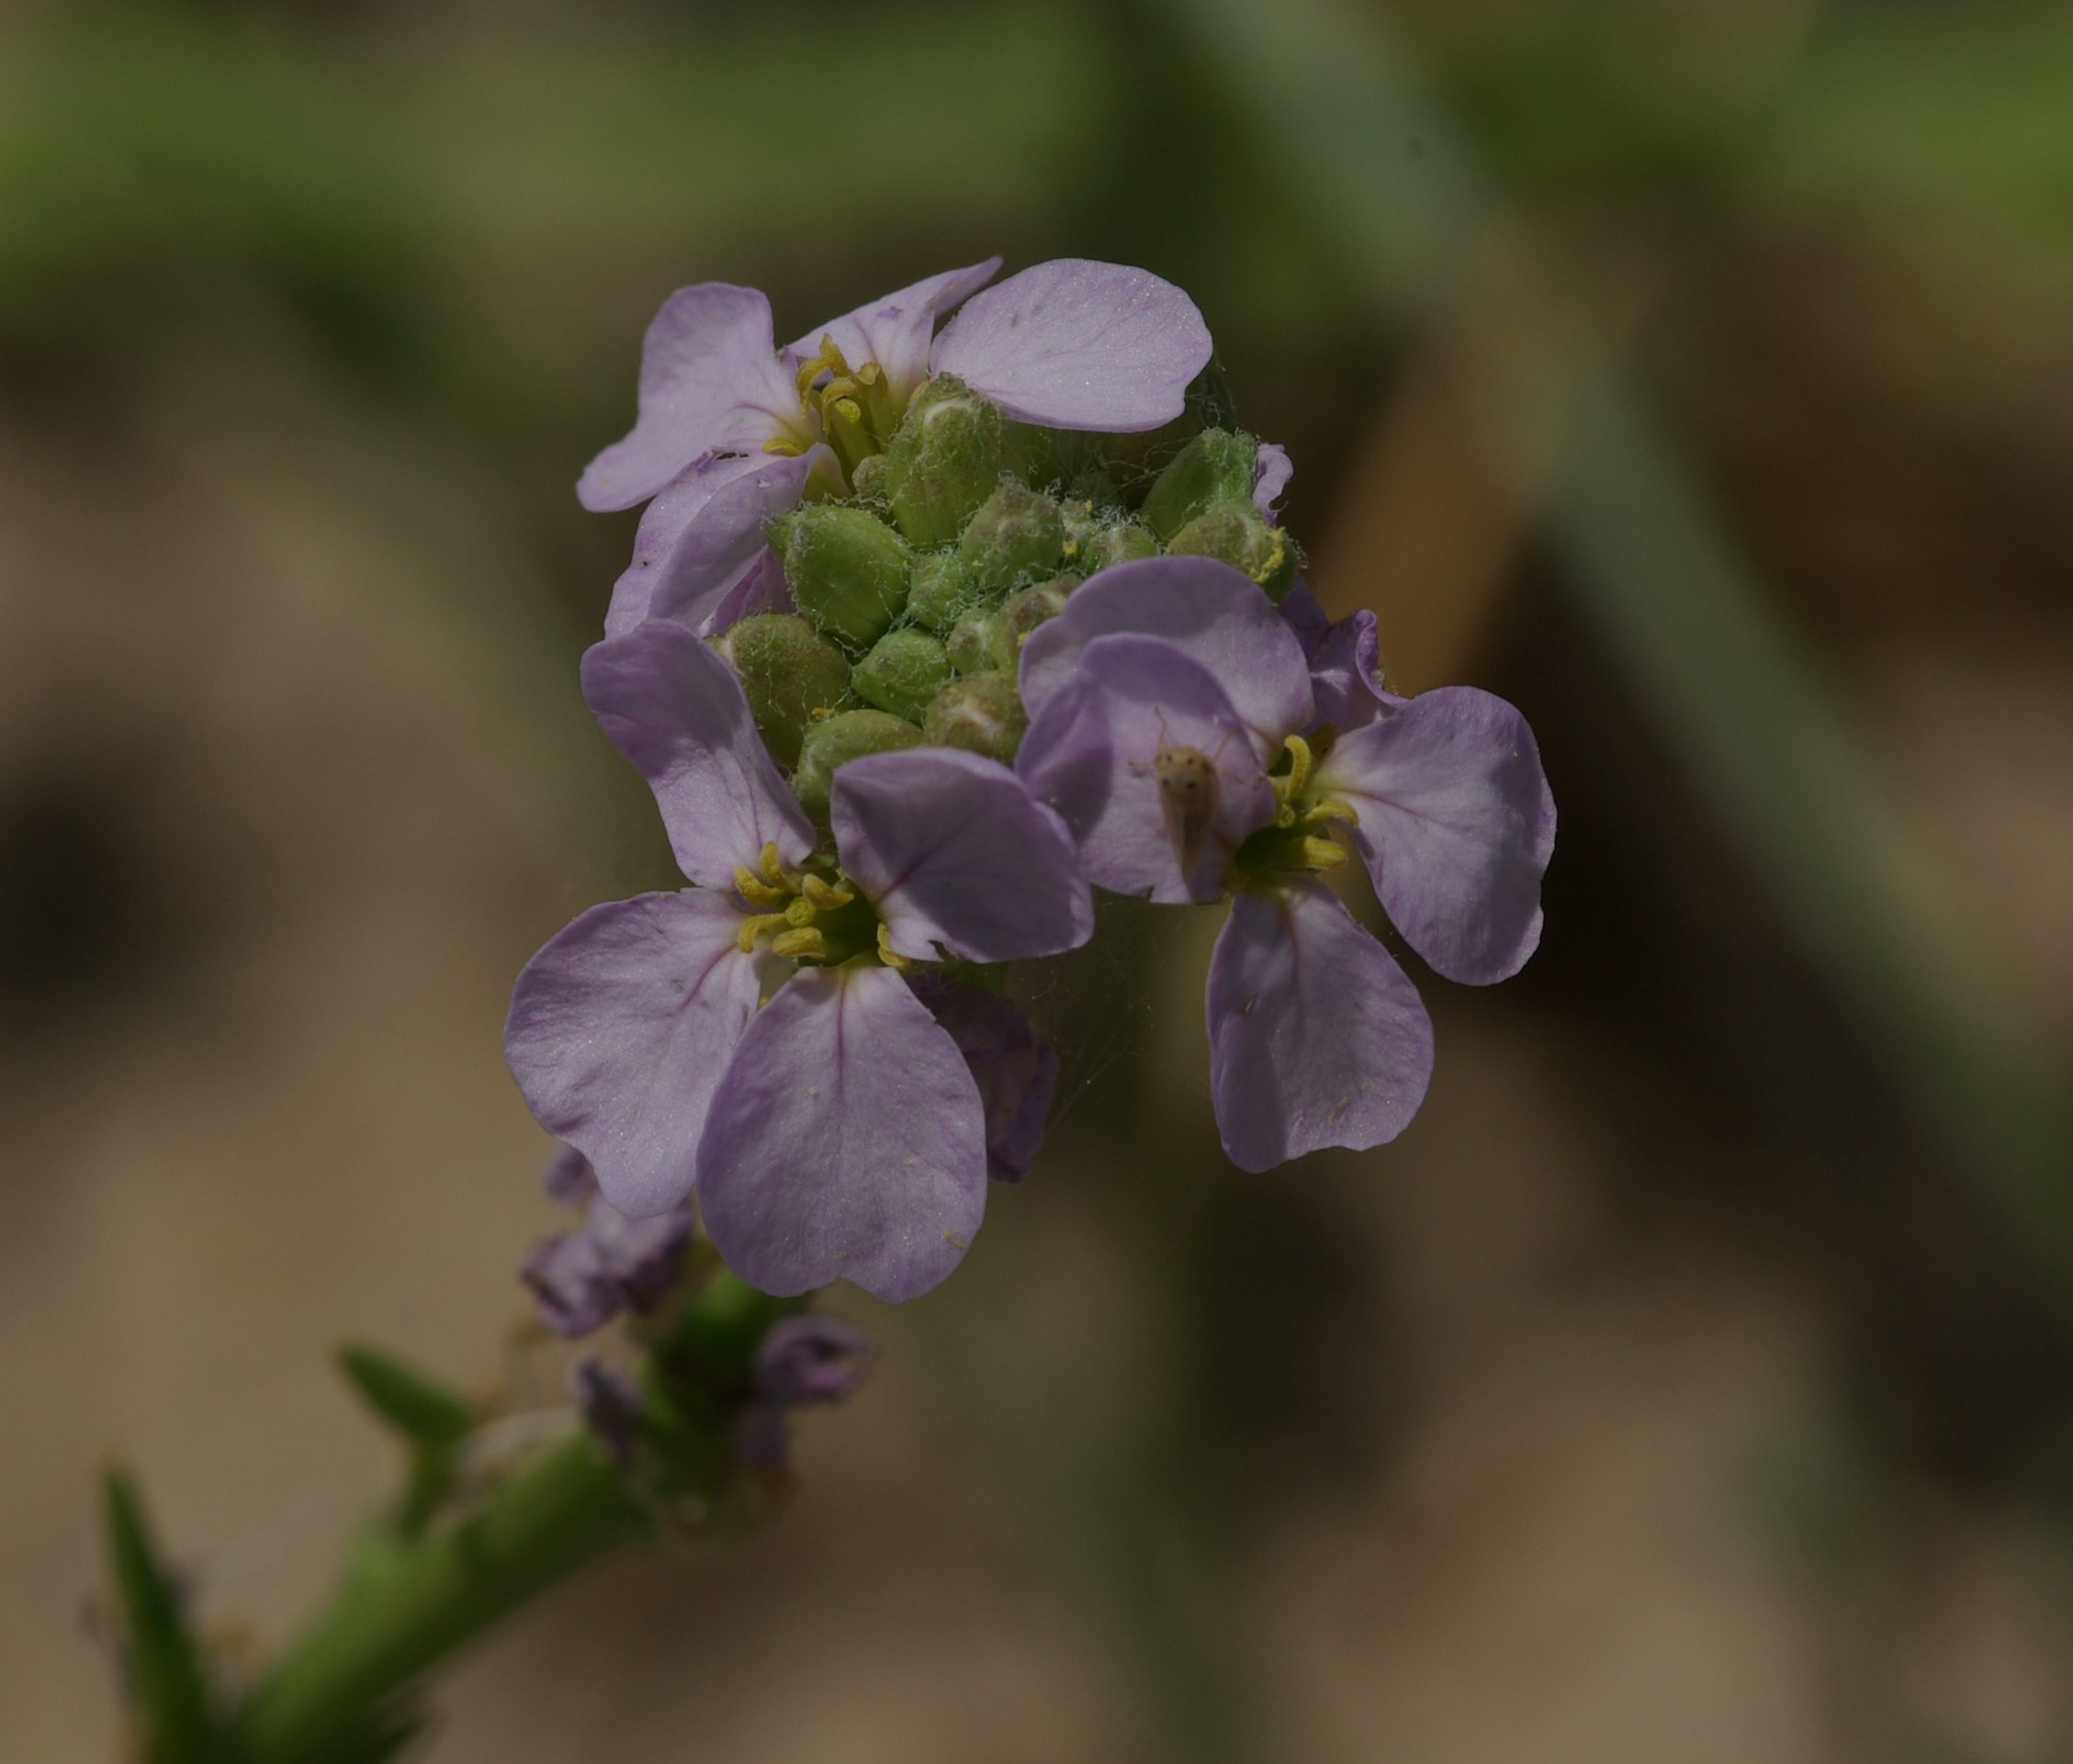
[[426, 1579]]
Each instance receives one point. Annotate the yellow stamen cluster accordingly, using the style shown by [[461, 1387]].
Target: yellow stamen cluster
[[853, 407], [809, 917], [1300, 838]]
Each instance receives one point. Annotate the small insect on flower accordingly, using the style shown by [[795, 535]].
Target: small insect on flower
[[1189, 794]]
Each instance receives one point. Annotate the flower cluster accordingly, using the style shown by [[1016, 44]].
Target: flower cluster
[[933, 624]]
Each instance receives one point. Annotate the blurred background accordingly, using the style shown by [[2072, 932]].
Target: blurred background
[[1694, 1381]]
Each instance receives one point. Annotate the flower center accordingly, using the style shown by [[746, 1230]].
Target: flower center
[[815, 916], [852, 409], [1301, 839]]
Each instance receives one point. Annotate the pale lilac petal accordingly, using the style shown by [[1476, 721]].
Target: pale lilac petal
[[1077, 344], [1456, 825], [894, 330], [704, 534], [1271, 472], [1212, 612], [674, 708], [663, 525], [1014, 1068], [710, 382], [1091, 754], [620, 1029], [1345, 673], [952, 848], [1302, 614], [761, 588], [847, 1142], [1316, 1036]]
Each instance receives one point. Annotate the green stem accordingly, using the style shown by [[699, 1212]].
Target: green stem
[[407, 1605]]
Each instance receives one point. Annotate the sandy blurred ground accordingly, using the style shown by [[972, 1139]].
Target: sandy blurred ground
[[1659, 1396]]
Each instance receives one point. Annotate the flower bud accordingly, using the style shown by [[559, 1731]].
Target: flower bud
[[1124, 543], [943, 591], [942, 461], [904, 671], [791, 675], [867, 479], [982, 714], [1215, 466], [847, 569], [1023, 611], [1018, 535], [1239, 534], [835, 741], [1044, 456], [969, 645]]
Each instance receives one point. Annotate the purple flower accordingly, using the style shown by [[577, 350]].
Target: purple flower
[[804, 1361], [733, 430], [1194, 741], [837, 1129], [582, 1279]]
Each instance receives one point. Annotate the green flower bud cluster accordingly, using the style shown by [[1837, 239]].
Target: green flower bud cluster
[[917, 593]]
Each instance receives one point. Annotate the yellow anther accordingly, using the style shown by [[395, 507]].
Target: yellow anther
[[772, 867], [799, 912], [803, 942], [869, 374], [848, 409], [755, 926], [753, 889], [1331, 809], [891, 957], [828, 896], [1300, 764], [1322, 854], [828, 359]]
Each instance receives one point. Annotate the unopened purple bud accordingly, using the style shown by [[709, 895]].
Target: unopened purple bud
[[811, 1358], [1014, 1068], [610, 1405], [611, 1262], [568, 1179]]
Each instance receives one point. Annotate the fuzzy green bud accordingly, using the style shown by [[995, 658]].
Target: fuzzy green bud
[[1083, 525], [943, 591], [1018, 535], [848, 570], [904, 671], [1215, 466], [1239, 534], [834, 742], [1023, 611], [969, 645], [942, 461], [867, 479], [791, 675], [982, 714], [1044, 456], [1124, 543]]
